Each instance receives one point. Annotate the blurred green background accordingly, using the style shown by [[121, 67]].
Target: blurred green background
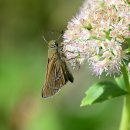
[[23, 59]]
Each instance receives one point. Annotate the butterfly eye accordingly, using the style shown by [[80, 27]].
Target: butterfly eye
[[56, 43]]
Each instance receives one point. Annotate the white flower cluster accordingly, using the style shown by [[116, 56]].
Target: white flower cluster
[[97, 34]]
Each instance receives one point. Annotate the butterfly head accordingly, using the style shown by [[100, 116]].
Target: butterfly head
[[52, 44]]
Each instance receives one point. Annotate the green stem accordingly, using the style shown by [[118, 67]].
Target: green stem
[[125, 121], [126, 78]]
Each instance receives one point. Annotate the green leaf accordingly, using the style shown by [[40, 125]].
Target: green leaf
[[127, 50], [127, 40], [102, 91], [120, 82]]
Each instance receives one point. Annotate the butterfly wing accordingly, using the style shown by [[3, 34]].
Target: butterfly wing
[[57, 75]]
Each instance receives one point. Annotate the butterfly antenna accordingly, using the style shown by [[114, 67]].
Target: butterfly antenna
[[60, 36], [45, 39]]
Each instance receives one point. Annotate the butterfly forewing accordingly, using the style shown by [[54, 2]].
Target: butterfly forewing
[[57, 73], [56, 76]]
